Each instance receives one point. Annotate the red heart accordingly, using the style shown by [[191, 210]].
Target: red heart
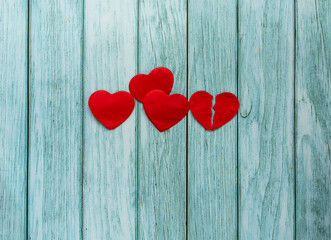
[[165, 110], [159, 78], [226, 107], [111, 109]]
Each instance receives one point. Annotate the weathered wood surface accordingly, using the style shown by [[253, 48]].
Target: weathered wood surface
[[13, 114], [212, 155], [313, 125], [162, 156], [110, 62], [86, 182], [266, 120], [55, 117]]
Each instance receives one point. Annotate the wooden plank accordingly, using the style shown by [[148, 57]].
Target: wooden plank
[[13, 116], [162, 156], [313, 126], [55, 150], [212, 155], [266, 124], [110, 159]]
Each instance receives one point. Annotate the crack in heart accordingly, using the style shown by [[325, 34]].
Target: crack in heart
[[225, 108]]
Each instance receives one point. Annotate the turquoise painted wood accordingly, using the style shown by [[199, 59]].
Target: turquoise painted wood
[[162, 156], [313, 126], [212, 155], [264, 175], [110, 61], [13, 114], [266, 119], [55, 120]]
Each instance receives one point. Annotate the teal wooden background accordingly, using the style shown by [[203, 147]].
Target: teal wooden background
[[264, 175]]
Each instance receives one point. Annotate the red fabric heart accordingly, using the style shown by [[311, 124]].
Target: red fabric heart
[[164, 110], [226, 107], [159, 78], [111, 109]]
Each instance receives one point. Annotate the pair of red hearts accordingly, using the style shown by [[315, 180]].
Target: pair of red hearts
[[162, 109]]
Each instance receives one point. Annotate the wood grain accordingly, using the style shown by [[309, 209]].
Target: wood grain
[[13, 116], [110, 155], [162, 156], [266, 124], [212, 155], [313, 126], [87, 182], [55, 150]]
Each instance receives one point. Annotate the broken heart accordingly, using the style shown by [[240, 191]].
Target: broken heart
[[226, 107]]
